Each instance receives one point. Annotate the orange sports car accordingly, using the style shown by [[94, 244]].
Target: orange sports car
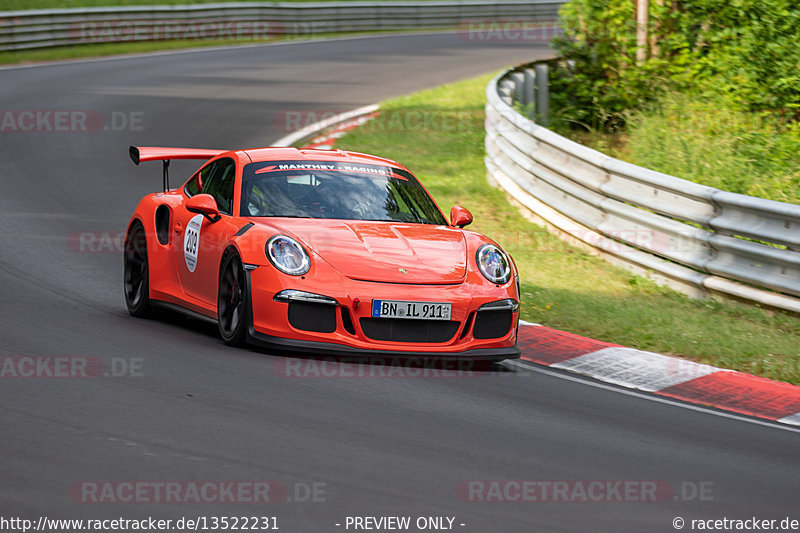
[[324, 252]]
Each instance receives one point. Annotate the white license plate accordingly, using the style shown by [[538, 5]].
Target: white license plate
[[418, 310]]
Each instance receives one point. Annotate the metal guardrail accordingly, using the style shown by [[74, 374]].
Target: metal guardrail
[[697, 239], [21, 30]]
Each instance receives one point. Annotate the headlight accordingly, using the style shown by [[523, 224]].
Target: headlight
[[287, 255], [293, 295], [493, 263], [509, 304]]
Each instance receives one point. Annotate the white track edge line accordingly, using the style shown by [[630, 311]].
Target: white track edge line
[[307, 131], [536, 368]]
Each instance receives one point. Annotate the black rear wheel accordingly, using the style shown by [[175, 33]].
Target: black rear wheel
[[232, 300], [137, 275]]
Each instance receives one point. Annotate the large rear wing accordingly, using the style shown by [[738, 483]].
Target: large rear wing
[[152, 153]]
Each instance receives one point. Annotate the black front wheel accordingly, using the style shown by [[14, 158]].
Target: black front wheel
[[232, 300], [137, 275]]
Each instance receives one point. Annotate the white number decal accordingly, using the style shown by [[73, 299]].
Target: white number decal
[[191, 240]]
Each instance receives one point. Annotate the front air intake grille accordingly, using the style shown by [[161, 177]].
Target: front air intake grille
[[309, 316], [492, 324], [347, 321], [409, 330], [467, 325]]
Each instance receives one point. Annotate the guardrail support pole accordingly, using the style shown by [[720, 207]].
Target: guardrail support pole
[[519, 87], [528, 92], [542, 95], [506, 91]]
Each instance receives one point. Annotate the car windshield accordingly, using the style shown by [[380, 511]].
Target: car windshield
[[335, 190]]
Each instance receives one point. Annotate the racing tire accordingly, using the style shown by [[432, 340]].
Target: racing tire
[[137, 272], [232, 301]]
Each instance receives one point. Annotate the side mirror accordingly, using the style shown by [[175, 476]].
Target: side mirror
[[459, 216], [204, 204]]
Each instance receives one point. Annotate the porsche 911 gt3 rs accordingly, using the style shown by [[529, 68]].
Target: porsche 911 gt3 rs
[[325, 252]]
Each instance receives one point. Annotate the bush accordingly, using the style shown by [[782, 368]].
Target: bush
[[742, 51], [746, 51]]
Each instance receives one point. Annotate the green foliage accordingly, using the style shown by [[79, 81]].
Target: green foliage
[[599, 80], [747, 52], [743, 51]]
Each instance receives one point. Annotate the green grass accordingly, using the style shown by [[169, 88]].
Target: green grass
[[708, 142], [563, 287], [111, 49], [107, 49]]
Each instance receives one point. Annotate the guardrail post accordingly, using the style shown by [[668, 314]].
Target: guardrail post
[[528, 92], [506, 90], [519, 87], [542, 95]]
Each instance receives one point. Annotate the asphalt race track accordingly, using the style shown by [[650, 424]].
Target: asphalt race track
[[179, 406]]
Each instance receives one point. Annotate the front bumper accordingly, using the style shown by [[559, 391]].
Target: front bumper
[[329, 349], [342, 331]]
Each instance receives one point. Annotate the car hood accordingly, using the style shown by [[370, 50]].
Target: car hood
[[386, 251]]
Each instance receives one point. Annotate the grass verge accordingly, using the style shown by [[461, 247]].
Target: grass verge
[[109, 49], [114, 49], [439, 135], [704, 140], [756, 154]]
